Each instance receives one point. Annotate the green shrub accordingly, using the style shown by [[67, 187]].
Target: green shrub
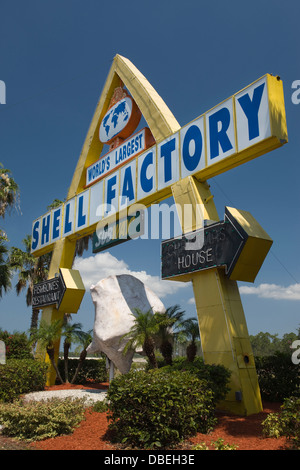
[[138, 366], [19, 376], [286, 423], [159, 408], [93, 370], [278, 377], [100, 406], [17, 345], [216, 375], [219, 444], [37, 420]]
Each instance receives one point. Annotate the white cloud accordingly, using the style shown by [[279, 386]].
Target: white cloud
[[192, 301], [102, 265], [273, 291]]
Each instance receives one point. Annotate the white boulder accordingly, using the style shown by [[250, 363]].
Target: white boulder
[[115, 299]]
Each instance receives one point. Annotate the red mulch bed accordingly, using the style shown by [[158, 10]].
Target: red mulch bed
[[244, 432], [99, 386]]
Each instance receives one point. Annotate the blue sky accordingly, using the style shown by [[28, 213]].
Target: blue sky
[[55, 57]]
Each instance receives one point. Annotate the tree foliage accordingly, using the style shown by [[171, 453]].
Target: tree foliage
[[47, 334], [5, 270], [171, 323], [9, 191], [266, 344], [9, 198], [142, 333], [31, 270]]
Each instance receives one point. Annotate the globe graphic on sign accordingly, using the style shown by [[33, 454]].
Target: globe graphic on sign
[[115, 120]]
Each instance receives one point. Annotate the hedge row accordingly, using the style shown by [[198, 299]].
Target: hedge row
[[17, 345], [278, 377], [93, 370], [19, 376]]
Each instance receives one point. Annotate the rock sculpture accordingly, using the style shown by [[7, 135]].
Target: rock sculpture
[[115, 299]]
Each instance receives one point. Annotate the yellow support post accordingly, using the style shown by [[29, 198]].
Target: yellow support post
[[222, 324]]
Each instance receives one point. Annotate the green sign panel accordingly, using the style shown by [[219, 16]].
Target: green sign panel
[[118, 232]]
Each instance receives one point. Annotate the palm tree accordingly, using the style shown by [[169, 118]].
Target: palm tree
[[72, 333], [9, 197], [9, 191], [47, 334], [31, 271], [172, 328], [170, 320], [85, 339], [191, 329], [142, 333], [5, 271], [82, 244]]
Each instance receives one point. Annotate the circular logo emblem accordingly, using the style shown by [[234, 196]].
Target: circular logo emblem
[[120, 120]]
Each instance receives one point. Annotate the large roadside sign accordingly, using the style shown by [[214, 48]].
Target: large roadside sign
[[250, 123]]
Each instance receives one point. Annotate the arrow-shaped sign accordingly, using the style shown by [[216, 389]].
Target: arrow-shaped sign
[[48, 292], [65, 290], [239, 244]]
